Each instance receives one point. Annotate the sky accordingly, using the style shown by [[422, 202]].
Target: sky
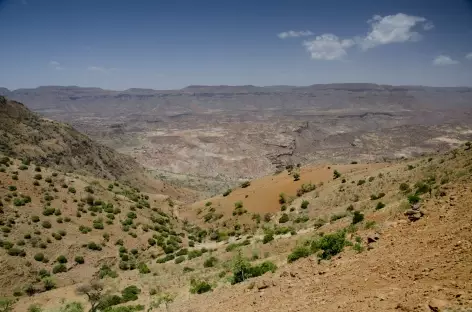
[[170, 44]]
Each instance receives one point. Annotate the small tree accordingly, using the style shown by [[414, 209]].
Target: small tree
[[6, 305], [94, 293], [336, 174]]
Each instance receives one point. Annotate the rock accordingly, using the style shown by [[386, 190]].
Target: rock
[[263, 284], [414, 215], [416, 206], [284, 274], [437, 305], [372, 239]]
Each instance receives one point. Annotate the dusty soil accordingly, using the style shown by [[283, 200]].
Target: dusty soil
[[413, 265]]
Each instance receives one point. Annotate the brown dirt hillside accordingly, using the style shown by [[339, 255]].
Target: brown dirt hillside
[[26, 135], [389, 237]]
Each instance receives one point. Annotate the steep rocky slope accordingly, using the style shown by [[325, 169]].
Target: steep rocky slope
[[46, 142]]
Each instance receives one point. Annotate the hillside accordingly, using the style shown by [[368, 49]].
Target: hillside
[[45, 142], [208, 138], [373, 237]]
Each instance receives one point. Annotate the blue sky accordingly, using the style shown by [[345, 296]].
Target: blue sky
[[116, 44]]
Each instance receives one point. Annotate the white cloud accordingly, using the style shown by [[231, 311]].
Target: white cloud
[[56, 65], [443, 60], [295, 34], [328, 47], [469, 56], [394, 29]]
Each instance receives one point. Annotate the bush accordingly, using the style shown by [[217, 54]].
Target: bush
[[105, 271], [297, 253], [268, 237], [44, 273], [210, 262], [143, 268], [61, 259], [94, 246], [12, 188], [46, 224], [48, 284], [357, 217], [59, 268], [199, 287], [130, 293], [35, 219], [227, 192], [242, 270], [38, 176], [79, 260], [304, 204], [296, 176], [48, 211], [23, 167], [404, 187], [245, 184], [194, 254], [336, 174], [39, 257], [166, 258], [379, 206], [284, 218], [360, 182], [330, 244], [413, 199], [72, 190], [179, 259]]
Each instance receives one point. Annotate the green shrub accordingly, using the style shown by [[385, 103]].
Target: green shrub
[[130, 293], [242, 269], [379, 206], [182, 252], [199, 287], [79, 259], [166, 258], [404, 187], [227, 192], [39, 257], [187, 269], [297, 253], [23, 167], [357, 217], [358, 248], [194, 254], [46, 224], [94, 246], [245, 184], [413, 199], [210, 262], [38, 176], [179, 259], [284, 218], [48, 284], [59, 268], [143, 268], [12, 188], [336, 174], [304, 204], [268, 237], [48, 211], [329, 244], [61, 259], [301, 219], [360, 182]]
